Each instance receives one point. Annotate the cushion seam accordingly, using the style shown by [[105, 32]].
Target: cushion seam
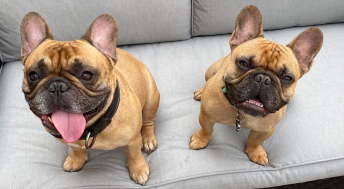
[[192, 18], [1, 62]]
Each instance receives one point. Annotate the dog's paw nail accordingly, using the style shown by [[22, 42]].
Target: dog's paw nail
[[151, 146]]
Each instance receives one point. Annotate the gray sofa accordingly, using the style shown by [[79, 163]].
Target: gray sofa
[[308, 144]]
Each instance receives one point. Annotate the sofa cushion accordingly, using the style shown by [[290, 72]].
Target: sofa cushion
[[307, 145], [139, 21], [218, 17]]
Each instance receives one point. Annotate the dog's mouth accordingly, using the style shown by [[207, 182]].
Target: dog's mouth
[[69, 125], [253, 106]]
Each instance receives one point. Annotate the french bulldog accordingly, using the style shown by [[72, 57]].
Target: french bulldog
[[88, 93], [252, 86]]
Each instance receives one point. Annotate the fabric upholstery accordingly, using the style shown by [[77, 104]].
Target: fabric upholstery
[[307, 145]]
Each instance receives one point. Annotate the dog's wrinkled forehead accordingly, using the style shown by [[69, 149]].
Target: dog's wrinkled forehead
[[58, 55], [268, 55]]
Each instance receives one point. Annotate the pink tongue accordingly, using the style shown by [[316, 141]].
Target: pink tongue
[[69, 125]]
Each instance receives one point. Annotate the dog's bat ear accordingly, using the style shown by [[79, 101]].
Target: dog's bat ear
[[306, 46], [248, 25], [102, 34], [33, 31]]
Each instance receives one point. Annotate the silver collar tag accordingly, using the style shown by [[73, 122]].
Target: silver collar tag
[[237, 122]]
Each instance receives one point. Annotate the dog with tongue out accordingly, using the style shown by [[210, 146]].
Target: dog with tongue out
[[252, 85], [88, 93]]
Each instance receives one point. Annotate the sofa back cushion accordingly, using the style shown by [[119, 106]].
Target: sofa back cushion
[[138, 21], [218, 16]]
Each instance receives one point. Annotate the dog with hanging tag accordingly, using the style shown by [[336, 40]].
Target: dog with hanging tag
[[252, 86]]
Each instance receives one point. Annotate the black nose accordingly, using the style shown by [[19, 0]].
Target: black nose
[[58, 86], [263, 79]]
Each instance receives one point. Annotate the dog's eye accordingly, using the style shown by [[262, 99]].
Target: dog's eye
[[287, 78], [33, 76], [243, 63], [87, 75]]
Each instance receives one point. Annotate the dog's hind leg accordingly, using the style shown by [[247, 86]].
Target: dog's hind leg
[[198, 94], [149, 142], [212, 70]]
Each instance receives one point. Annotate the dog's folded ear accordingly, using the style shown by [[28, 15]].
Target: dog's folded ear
[[248, 25], [33, 31], [306, 46], [102, 34]]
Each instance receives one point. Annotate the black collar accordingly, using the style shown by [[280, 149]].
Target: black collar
[[103, 121]]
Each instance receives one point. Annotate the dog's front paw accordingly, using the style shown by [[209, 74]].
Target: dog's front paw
[[198, 94], [139, 172], [258, 155], [197, 142], [74, 162]]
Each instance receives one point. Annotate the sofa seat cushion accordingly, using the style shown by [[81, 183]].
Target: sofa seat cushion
[[307, 145]]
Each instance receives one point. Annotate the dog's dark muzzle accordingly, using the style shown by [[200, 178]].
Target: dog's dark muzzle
[[257, 93]]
